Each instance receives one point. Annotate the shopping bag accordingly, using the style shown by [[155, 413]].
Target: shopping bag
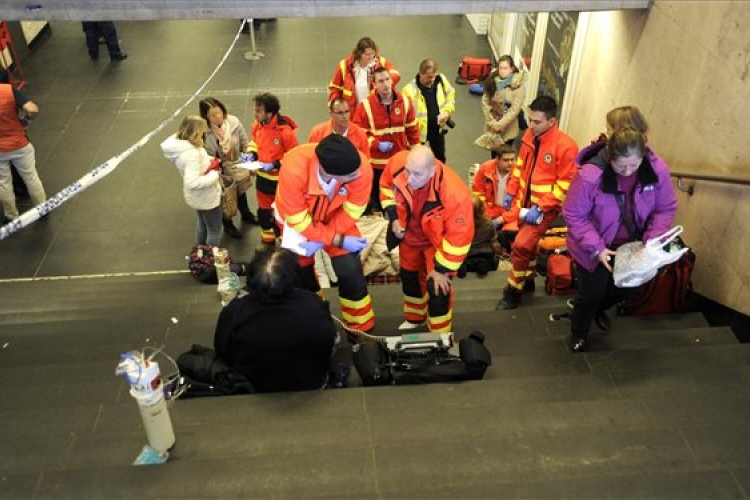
[[637, 263]]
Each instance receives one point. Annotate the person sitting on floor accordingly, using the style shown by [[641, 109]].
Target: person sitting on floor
[[485, 252], [278, 336]]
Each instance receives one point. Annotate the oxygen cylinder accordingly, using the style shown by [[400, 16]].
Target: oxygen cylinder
[[147, 388]]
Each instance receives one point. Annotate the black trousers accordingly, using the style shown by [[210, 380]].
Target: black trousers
[[96, 29], [437, 143], [596, 292], [375, 191]]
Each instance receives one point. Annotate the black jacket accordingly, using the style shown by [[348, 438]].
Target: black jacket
[[285, 346]]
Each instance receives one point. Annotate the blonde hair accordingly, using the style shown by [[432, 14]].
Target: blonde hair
[[627, 116], [480, 214], [192, 129]]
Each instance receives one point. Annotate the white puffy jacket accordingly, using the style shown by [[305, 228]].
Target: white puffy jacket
[[201, 191]]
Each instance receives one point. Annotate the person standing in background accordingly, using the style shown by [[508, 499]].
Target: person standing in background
[[106, 29], [435, 101], [273, 135], [226, 139], [341, 124], [352, 78], [16, 148], [200, 177], [391, 124], [502, 103]]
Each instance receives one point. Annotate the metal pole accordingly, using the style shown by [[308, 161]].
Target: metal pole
[[253, 55]]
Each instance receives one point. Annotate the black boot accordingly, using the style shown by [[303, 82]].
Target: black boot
[[511, 299], [247, 215], [529, 286], [231, 230]]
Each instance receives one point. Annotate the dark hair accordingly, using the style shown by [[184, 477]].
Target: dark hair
[[363, 44], [546, 105], [210, 102], [273, 275], [503, 149], [269, 102], [626, 141], [380, 69], [490, 82]]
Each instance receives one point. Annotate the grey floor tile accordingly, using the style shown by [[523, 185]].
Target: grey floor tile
[[460, 425], [722, 446], [35, 454], [346, 472], [707, 410], [533, 458], [19, 486]]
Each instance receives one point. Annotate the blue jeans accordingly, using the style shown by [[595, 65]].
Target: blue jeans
[[208, 231], [25, 162]]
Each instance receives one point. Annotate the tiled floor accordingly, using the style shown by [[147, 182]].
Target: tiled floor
[[658, 410], [135, 219]]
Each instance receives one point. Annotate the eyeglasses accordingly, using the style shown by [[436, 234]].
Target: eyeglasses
[[341, 113]]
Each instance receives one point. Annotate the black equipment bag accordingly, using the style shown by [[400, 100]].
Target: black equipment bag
[[377, 366]]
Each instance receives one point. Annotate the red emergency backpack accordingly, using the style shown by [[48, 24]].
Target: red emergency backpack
[[473, 69]]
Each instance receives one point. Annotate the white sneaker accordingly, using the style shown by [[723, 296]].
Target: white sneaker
[[408, 325]]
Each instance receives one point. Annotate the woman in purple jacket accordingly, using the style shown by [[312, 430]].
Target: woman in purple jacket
[[598, 222]]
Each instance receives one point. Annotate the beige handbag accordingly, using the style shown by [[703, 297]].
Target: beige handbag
[[228, 196]]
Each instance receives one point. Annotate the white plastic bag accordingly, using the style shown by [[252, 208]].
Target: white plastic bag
[[636, 263]]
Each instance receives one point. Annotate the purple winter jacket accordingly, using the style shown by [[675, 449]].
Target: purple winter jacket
[[590, 208]]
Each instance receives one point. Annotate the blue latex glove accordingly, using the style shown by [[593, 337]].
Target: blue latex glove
[[354, 244], [495, 224], [311, 247], [385, 146], [267, 167], [248, 157], [532, 215], [507, 200]]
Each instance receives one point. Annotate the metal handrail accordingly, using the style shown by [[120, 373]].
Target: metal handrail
[[701, 177]]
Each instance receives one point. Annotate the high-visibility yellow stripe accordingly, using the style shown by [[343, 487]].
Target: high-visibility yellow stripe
[[390, 130], [542, 188], [516, 172], [358, 320], [355, 211], [522, 183], [458, 251], [411, 124], [355, 304], [294, 219], [513, 284], [519, 274], [303, 224], [416, 300], [413, 310], [387, 192], [387, 203], [368, 112], [559, 193], [379, 161], [563, 184], [267, 175], [446, 263]]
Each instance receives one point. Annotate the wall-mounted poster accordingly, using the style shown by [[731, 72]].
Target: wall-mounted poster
[[524, 40], [558, 49]]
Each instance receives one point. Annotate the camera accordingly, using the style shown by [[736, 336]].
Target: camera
[[449, 124]]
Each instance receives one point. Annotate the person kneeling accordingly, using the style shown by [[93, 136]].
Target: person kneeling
[[278, 336]]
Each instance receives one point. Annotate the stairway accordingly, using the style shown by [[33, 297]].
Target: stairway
[[657, 409]]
